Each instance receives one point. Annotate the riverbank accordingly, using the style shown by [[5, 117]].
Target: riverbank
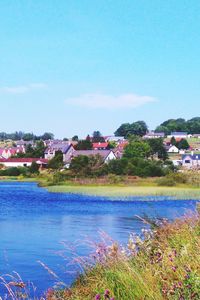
[[142, 187], [163, 265]]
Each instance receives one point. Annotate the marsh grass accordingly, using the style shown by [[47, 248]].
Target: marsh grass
[[163, 265], [128, 191]]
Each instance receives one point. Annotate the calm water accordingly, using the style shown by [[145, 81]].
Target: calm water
[[34, 222]]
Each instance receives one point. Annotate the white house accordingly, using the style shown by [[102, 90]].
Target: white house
[[178, 135], [172, 149], [177, 162], [66, 148], [106, 155], [8, 152], [22, 162], [191, 161], [116, 139], [154, 135]]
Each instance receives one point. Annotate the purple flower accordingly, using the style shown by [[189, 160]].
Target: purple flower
[[106, 294], [180, 283], [98, 297]]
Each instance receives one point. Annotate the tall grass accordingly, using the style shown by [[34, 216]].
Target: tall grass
[[128, 191], [163, 265]]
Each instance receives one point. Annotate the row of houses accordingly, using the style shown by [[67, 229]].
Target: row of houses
[[106, 156], [187, 160], [6, 153], [8, 159], [177, 134]]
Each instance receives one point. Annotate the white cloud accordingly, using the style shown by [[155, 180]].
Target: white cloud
[[109, 101], [22, 89]]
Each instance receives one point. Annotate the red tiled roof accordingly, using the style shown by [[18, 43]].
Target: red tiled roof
[[100, 145], [122, 145]]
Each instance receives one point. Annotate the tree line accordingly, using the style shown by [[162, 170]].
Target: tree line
[[140, 128], [20, 135]]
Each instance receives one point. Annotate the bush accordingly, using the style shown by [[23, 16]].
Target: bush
[[14, 171], [57, 161], [166, 181], [57, 178], [178, 177], [113, 179], [34, 168]]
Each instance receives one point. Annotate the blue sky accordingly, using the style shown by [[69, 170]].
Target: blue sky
[[72, 67]]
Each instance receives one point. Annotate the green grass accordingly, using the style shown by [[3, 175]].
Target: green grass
[[165, 265], [126, 191]]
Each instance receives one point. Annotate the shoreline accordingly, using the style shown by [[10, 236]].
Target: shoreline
[[115, 190]]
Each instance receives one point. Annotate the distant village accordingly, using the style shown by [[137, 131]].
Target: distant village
[[183, 149]]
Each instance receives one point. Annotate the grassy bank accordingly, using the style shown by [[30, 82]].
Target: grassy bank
[[165, 265], [98, 187], [180, 192]]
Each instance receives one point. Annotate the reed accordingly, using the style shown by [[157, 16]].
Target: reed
[[163, 265]]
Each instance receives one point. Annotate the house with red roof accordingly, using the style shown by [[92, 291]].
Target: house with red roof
[[119, 150], [22, 162], [100, 146], [9, 152]]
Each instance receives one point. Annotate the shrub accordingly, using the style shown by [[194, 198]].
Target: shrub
[[178, 177], [58, 177], [166, 181], [34, 168], [112, 178]]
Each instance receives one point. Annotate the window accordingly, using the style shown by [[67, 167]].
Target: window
[[187, 161]]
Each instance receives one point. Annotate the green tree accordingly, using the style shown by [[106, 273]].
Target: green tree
[[83, 145], [183, 144], [38, 151], [97, 137], [47, 136], [138, 128], [162, 128], [28, 136], [193, 125], [57, 161], [117, 166], [158, 148], [75, 138], [80, 165], [34, 168], [136, 149], [173, 141]]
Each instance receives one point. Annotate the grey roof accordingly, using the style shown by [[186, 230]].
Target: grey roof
[[103, 153], [24, 143], [178, 133], [58, 147], [153, 133]]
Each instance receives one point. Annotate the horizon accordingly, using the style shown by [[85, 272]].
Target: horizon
[[89, 133], [75, 67]]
